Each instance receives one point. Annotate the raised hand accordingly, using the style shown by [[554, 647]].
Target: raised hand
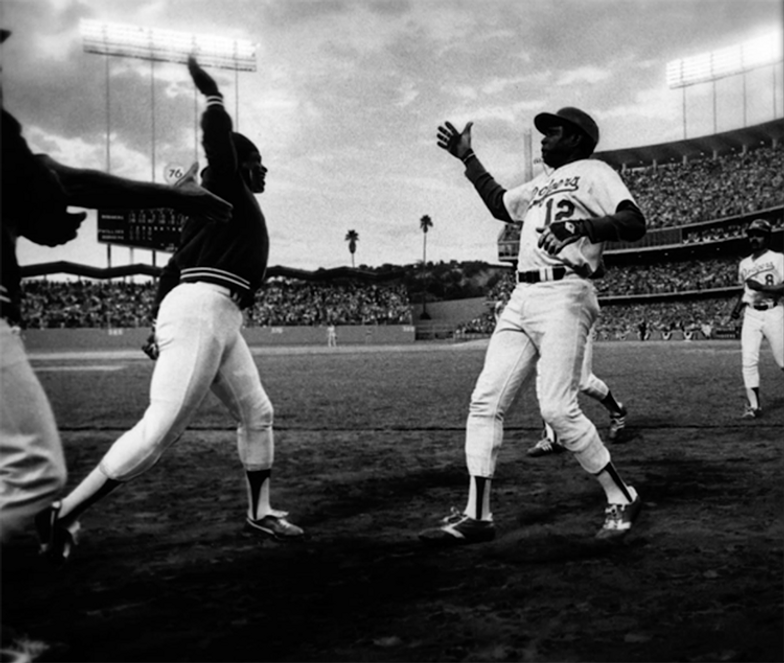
[[457, 143], [201, 79]]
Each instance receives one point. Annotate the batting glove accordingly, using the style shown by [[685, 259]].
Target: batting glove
[[560, 234]]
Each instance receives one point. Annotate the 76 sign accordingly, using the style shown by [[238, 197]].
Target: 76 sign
[[173, 172]]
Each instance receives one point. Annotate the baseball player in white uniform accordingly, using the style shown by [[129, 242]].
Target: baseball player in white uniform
[[568, 212], [762, 276]]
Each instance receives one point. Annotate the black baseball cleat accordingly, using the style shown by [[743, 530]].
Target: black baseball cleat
[[458, 529], [275, 525], [618, 518], [57, 540]]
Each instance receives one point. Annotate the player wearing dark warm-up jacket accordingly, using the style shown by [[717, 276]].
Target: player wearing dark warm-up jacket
[[212, 276], [38, 193]]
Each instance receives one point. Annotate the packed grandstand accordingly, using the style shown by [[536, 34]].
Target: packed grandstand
[[698, 195]]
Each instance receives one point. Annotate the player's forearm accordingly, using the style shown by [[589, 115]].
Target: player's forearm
[[627, 224], [216, 127], [773, 290], [491, 193], [739, 304], [95, 189]]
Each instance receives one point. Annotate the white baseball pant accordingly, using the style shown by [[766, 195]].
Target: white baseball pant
[[544, 327], [32, 463], [756, 325], [201, 349]]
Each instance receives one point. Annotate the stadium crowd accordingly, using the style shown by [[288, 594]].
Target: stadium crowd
[[706, 189], [671, 195], [620, 320], [281, 302]]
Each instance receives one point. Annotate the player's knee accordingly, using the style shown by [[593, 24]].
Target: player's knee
[[593, 456], [258, 413], [484, 407], [560, 419]]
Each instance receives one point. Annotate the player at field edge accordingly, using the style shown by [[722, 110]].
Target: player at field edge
[[37, 192], [761, 275], [198, 345], [567, 212]]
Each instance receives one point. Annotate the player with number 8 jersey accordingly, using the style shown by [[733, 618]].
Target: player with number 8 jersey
[[761, 275], [568, 213]]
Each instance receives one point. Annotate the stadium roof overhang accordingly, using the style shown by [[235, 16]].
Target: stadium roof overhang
[[695, 148]]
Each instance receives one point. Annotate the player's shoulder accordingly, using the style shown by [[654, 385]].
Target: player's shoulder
[[595, 165]]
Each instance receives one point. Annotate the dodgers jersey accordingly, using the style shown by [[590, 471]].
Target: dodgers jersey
[[768, 269], [578, 190]]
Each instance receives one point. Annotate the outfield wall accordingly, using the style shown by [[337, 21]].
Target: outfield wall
[[37, 340]]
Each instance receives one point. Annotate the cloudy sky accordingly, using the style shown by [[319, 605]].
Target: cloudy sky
[[348, 95]]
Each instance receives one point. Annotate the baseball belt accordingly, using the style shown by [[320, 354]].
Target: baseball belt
[[542, 274], [762, 307]]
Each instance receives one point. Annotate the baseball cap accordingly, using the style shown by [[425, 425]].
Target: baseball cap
[[569, 115], [760, 226]]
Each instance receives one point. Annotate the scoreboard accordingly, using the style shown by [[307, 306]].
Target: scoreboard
[[156, 229]]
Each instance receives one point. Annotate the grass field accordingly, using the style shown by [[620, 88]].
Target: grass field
[[369, 450]]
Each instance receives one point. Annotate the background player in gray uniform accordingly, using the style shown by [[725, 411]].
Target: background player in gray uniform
[[762, 276], [568, 212], [37, 192], [213, 275]]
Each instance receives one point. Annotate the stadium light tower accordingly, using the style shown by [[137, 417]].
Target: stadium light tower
[[732, 61], [156, 45]]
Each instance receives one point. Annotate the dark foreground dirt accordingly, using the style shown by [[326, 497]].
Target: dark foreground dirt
[[165, 571]]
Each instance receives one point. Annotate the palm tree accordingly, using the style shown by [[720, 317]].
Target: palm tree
[[425, 223], [352, 237]]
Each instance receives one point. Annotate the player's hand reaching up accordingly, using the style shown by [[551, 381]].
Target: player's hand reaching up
[[457, 143], [201, 79]]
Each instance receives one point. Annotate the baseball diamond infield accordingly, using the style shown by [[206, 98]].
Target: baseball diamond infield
[[369, 450]]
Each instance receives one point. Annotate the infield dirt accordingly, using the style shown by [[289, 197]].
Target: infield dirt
[[369, 450]]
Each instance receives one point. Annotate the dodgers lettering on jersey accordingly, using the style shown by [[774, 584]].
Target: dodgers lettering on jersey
[[768, 269], [582, 189]]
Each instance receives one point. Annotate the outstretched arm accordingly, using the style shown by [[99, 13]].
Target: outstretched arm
[[94, 189]]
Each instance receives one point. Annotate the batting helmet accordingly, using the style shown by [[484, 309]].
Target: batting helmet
[[759, 226], [572, 116]]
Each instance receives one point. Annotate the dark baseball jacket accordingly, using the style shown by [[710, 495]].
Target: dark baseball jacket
[[29, 191], [232, 254]]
